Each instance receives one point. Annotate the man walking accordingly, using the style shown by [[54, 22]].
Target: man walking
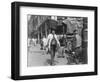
[[53, 44]]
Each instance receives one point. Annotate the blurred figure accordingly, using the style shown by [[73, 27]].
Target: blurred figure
[[41, 44], [34, 41], [77, 48], [61, 50], [53, 44], [30, 44], [50, 37], [78, 39], [44, 42]]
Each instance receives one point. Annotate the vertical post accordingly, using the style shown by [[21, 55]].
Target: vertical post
[[38, 37], [41, 31], [63, 30], [46, 29]]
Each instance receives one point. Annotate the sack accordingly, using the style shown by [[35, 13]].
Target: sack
[[53, 41]]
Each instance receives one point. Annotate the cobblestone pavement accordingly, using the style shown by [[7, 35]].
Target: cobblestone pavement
[[38, 57]]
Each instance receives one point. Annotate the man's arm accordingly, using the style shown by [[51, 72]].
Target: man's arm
[[48, 38], [57, 40]]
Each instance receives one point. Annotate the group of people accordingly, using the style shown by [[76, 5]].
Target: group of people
[[74, 49], [53, 45], [31, 42], [46, 42]]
